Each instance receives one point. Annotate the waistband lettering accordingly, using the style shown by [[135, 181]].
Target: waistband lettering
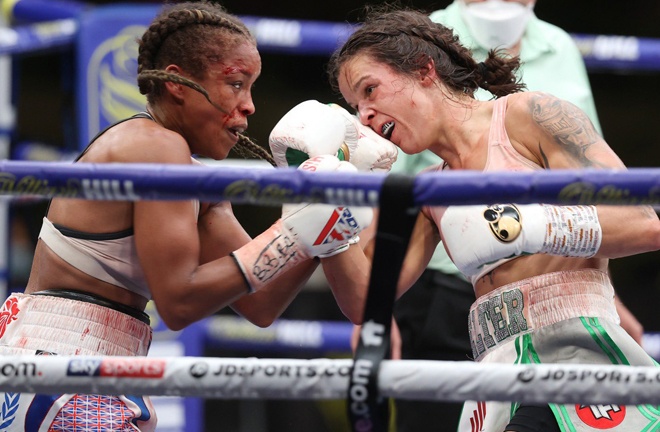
[[504, 313], [514, 306], [496, 318]]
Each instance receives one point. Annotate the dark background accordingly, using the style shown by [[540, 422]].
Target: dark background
[[626, 103]]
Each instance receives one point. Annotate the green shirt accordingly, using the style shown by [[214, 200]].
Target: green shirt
[[550, 62]]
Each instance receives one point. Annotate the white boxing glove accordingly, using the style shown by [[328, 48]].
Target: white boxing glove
[[304, 231], [373, 152], [312, 129], [477, 236], [323, 230]]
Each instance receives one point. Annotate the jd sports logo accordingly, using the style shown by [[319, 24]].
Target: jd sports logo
[[601, 416], [198, 370]]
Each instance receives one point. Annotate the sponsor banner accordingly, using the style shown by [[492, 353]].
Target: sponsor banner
[[618, 52], [178, 376], [120, 367], [601, 388], [57, 34], [107, 65]]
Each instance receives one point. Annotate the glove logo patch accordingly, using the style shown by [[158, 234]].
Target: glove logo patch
[[341, 226], [505, 221]]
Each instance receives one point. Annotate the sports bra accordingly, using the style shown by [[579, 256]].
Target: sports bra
[[110, 257], [502, 156]]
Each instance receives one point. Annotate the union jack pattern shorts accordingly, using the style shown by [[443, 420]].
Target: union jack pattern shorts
[[43, 325]]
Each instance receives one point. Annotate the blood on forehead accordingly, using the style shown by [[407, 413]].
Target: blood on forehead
[[243, 58], [230, 70]]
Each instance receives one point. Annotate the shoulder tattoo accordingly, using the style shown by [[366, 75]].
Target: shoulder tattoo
[[569, 127]]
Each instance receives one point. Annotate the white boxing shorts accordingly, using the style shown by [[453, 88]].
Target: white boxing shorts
[[49, 325], [562, 317]]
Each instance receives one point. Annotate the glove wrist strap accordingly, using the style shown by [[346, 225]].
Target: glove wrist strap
[[267, 256], [572, 231]]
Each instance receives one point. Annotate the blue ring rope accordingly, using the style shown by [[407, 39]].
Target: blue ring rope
[[135, 182], [302, 37]]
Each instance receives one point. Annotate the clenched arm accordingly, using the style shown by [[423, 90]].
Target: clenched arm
[[221, 233], [561, 136]]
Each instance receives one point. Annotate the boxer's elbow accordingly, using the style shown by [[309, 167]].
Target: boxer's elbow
[[176, 316], [263, 322], [354, 315], [176, 322]]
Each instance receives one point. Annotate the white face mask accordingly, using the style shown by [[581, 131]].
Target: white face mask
[[496, 23]]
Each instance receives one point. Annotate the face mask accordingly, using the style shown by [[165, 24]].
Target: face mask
[[496, 23]]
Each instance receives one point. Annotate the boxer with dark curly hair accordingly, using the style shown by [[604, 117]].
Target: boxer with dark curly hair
[[539, 272]]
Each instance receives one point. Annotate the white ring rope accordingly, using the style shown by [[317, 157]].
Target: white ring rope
[[252, 378]]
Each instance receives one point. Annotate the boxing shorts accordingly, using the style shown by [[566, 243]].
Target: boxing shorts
[[40, 324], [562, 317]]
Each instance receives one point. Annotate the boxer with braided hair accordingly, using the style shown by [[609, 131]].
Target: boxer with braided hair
[[186, 34], [97, 263], [539, 272]]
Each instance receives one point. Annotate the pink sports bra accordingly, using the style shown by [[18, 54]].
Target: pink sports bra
[[502, 156]]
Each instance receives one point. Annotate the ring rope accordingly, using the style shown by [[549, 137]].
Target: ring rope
[[300, 37], [132, 182], [318, 379]]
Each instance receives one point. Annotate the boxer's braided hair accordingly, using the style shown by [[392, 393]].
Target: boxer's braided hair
[[406, 40], [191, 35]]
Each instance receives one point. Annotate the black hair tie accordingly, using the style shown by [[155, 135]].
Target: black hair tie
[[483, 70]]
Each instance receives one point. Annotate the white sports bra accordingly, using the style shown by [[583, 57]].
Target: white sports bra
[[110, 257]]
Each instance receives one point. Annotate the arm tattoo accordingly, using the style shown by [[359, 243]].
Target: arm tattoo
[[570, 128], [489, 277]]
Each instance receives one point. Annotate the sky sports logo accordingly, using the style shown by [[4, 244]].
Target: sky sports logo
[[121, 368]]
